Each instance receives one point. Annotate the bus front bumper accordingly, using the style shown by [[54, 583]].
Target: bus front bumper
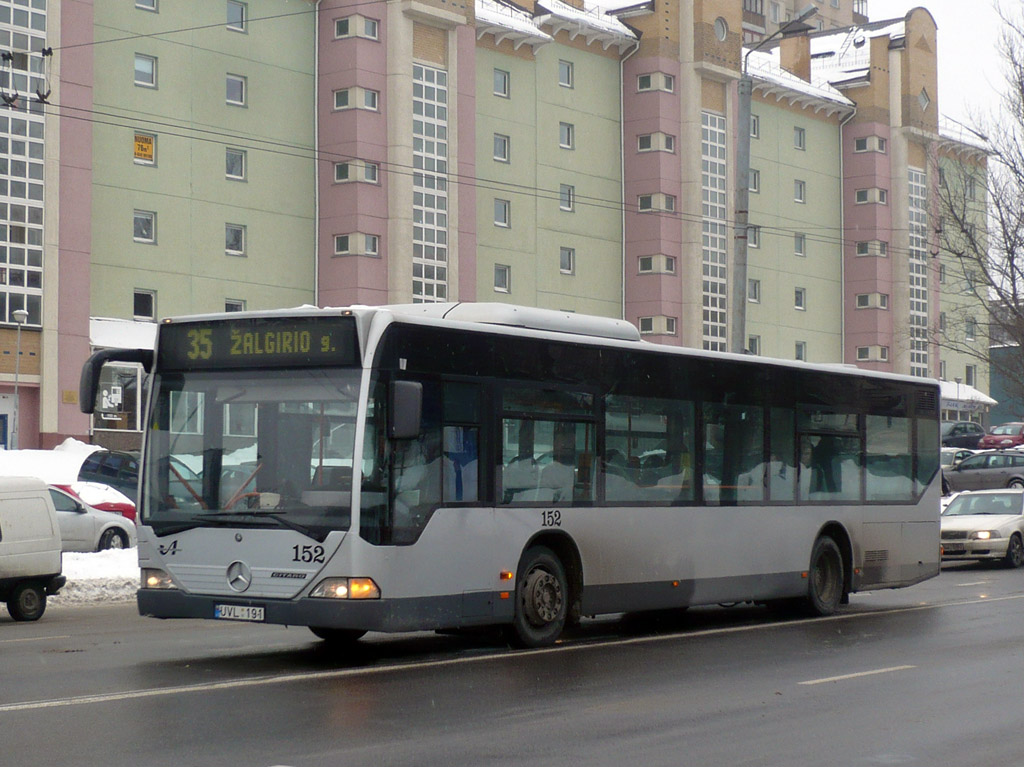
[[421, 613]]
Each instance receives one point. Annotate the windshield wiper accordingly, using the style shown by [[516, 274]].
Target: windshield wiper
[[281, 519]]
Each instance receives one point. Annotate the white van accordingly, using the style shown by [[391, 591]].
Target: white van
[[29, 547]]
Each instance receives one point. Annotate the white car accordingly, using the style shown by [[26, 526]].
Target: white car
[[984, 525], [84, 528]]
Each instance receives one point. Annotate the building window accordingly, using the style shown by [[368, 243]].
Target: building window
[[656, 81], [235, 88], [800, 351], [146, 5], [502, 213], [565, 74], [356, 26], [145, 227], [502, 83], [755, 126], [799, 191], [234, 239], [800, 299], [873, 248], [972, 188], [971, 375], [341, 99], [502, 278], [754, 236], [234, 164], [371, 29], [370, 100], [371, 245], [501, 147], [754, 183], [566, 197], [754, 344], [341, 244], [145, 71], [144, 304], [145, 148], [566, 135], [649, 203], [234, 305], [869, 144], [867, 196], [970, 329], [754, 291], [863, 353], [237, 14], [646, 325], [567, 260], [799, 244], [799, 138], [863, 300], [655, 142], [942, 321]]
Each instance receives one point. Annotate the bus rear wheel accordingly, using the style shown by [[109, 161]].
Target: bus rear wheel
[[339, 637], [825, 577], [542, 599]]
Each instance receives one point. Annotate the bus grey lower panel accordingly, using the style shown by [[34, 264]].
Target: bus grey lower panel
[[419, 614], [665, 595]]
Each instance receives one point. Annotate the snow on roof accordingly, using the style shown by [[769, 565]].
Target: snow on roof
[[763, 66], [961, 392], [108, 333], [591, 19], [493, 17]]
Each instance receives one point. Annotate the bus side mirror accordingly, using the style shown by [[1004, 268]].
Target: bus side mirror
[[405, 408], [89, 383]]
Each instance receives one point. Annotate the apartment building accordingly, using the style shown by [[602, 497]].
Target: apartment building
[[224, 156]]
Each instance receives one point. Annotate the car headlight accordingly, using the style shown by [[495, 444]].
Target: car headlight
[[982, 535], [156, 579], [346, 588]]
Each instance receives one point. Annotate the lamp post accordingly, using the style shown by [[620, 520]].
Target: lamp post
[[744, 90], [958, 380], [20, 318]]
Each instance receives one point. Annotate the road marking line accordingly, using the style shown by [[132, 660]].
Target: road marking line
[[844, 677], [262, 681], [974, 583], [35, 639]]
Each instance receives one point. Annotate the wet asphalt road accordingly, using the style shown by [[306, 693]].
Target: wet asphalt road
[[924, 676]]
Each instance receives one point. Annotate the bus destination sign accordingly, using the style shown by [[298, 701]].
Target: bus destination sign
[[258, 342]]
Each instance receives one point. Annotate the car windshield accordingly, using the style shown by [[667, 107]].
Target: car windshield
[[1007, 428], [984, 503], [273, 448]]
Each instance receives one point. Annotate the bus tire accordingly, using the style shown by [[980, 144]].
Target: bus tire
[[824, 578], [27, 602], [337, 637], [542, 599]]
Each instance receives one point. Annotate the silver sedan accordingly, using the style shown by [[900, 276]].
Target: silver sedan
[[984, 525]]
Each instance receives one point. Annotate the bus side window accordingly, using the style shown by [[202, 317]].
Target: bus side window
[[461, 463]]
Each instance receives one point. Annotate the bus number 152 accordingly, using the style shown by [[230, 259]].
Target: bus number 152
[[551, 518]]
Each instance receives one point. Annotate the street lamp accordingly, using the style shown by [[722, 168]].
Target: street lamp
[[20, 317], [958, 380], [744, 90]]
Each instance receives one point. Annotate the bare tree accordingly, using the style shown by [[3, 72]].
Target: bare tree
[[981, 228]]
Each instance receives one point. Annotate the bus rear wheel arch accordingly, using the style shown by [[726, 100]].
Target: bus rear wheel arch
[[542, 599]]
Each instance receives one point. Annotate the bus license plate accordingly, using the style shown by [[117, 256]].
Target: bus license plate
[[238, 612], [954, 548]]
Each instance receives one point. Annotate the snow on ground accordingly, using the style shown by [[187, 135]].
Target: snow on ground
[[99, 576]]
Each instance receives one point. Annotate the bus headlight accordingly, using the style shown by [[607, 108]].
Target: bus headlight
[[346, 588], [156, 579]]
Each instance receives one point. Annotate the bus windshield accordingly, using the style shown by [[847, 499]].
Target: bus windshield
[[272, 448]]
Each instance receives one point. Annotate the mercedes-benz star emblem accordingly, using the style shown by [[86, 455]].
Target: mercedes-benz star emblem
[[239, 576]]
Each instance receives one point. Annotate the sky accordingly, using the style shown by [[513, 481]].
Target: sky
[[970, 75]]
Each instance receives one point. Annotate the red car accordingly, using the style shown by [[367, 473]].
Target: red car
[[101, 497], [1003, 436]]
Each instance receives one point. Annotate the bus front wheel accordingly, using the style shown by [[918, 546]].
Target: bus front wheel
[[825, 577], [542, 599]]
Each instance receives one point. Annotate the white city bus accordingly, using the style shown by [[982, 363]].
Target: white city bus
[[437, 466]]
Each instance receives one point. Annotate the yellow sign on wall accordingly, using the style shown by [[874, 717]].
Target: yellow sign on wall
[[144, 147]]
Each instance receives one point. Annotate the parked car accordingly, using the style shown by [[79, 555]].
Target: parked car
[[102, 497], [117, 468], [1003, 436], [986, 525], [951, 456], [961, 434], [85, 528], [991, 469]]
